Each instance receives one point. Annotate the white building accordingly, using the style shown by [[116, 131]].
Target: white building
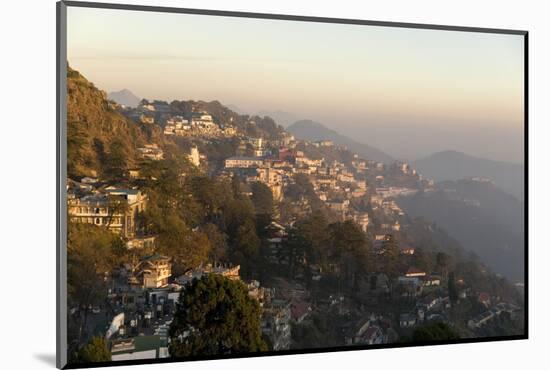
[[194, 156], [116, 209], [154, 271], [243, 162], [202, 119]]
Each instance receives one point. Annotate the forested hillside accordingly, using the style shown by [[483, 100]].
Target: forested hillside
[[485, 220], [99, 138]]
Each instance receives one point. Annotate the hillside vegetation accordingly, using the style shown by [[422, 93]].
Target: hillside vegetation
[[98, 135], [485, 219]]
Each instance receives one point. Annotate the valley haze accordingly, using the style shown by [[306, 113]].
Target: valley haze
[[453, 91], [441, 166]]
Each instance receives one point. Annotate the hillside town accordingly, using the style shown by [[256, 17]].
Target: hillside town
[[330, 301]]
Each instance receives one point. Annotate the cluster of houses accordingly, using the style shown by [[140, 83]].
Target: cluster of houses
[[334, 183], [274, 162], [199, 124], [152, 152], [147, 293], [374, 329], [493, 311], [146, 112], [146, 307], [337, 185]]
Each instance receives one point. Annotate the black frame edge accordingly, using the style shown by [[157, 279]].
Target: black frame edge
[[295, 352], [61, 174], [287, 17], [526, 183]]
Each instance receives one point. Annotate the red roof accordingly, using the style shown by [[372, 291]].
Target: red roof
[[299, 309], [484, 297], [370, 332]]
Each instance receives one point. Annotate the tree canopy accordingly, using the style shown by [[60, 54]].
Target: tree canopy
[[434, 332], [262, 198], [216, 316], [95, 351]]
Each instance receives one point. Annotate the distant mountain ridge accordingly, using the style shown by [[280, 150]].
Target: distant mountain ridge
[[124, 97], [481, 216], [235, 108], [311, 130], [453, 165], [281, 117]]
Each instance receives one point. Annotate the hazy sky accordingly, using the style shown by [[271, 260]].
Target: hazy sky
[[409, 92]]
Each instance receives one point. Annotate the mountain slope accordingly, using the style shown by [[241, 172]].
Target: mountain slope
[[281, 117], [482, 217], [124, 97], [452, 165], [311, 130], [95, 130], [235, 108]]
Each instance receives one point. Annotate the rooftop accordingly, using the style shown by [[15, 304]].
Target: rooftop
[[155, 257], [238, 158], [122, 191], [140, 343]]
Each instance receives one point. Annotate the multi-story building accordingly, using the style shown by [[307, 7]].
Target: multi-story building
[[277, 236], [116, 209], [362, 219], [243, 162], [141, 242], [307, 162], [346, 177], [176, 125], [323, 143], [269, 176], [202, 119], [338, 205], [276, 324], [287, 139], [151, 151], [229, 131], [153, 271], [273, 178], [139, 348]]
